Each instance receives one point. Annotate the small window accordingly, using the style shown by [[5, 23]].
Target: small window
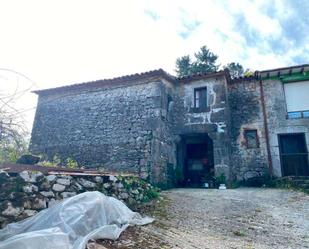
[[297, 101], [251, 139], [295, 115], [200, 97], [306, 114], [292, 115]]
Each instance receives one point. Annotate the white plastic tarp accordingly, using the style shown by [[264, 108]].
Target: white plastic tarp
[[72, 223]]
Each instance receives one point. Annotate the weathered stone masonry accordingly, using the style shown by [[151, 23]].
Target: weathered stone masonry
[[246, 109], [138, 123], [122, 128], [25, 193]]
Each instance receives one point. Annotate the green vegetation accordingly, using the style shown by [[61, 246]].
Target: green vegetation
[[11, 150], [71, 163], [57, 162], [150, 194], [221, 179], [54, 163], [293, 183], [235, 69], [205, 62], [239, 233]]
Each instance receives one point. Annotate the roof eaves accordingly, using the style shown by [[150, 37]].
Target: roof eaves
[[276, 73], [127, 78], [284, 68]]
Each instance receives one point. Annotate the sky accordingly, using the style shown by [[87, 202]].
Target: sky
[[50, 43]]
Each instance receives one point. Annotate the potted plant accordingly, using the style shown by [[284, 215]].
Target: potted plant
[[220, 181]]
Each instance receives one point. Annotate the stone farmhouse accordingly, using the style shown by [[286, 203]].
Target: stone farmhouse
[[181, 131]]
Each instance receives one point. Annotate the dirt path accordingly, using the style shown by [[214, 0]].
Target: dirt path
[[241, 218]]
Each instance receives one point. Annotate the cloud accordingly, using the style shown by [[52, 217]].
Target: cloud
[[292, 17], [189, 27], [152, 14], [250, 34], [64, 42]]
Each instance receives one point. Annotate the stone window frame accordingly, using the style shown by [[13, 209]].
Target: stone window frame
[[257, 142], [197, 98], [197, 108]]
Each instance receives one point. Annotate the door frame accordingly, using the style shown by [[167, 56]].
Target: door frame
[[182, 152], [280, 148]]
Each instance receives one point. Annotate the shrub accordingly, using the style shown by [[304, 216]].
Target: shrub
[[259, 181], [221, 179], [71, 163]]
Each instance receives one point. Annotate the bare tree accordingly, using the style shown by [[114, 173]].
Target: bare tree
[[13, 131]]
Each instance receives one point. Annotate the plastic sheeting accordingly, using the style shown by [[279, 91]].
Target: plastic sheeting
[[72, 223]]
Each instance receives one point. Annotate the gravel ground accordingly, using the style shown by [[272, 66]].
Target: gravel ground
[[243, 218]]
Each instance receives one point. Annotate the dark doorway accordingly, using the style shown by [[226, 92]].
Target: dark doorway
[[293, 154], [196, 160]]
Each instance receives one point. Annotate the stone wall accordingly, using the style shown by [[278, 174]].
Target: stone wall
[[137, 126], [163, 143], [26, 193], [131, 128], [213, 121], [246, 113], [277, 120], [121, 128]]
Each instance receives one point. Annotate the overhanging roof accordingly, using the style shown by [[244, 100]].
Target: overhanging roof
[[277, 72], [160, 73], [293, 73]]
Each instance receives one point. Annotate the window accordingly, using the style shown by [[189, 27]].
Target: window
[[200, 98], [251, 139], [297, 101]]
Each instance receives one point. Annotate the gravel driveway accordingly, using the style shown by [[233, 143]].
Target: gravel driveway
[[239, 218]]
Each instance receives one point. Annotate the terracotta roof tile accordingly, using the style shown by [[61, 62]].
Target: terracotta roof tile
[[103, 82], [161, 73]]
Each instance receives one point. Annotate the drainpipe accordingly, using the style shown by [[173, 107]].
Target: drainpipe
[[270, 163]]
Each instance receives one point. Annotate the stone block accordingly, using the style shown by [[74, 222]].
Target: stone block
[[51, 178], [58, 187], [11, 211], [123, 196], [31, 176], [64, 181], [39, 203], [28, 213], [85, 183], [113, 178], [98, 179], [47, 193], [30, 188]]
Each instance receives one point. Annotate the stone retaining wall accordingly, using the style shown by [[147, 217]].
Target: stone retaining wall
[[26, 193]]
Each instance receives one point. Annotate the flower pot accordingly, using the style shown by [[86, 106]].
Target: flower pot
[[222, 187]]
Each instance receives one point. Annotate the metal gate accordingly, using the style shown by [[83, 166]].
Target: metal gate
[[293, 154]]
